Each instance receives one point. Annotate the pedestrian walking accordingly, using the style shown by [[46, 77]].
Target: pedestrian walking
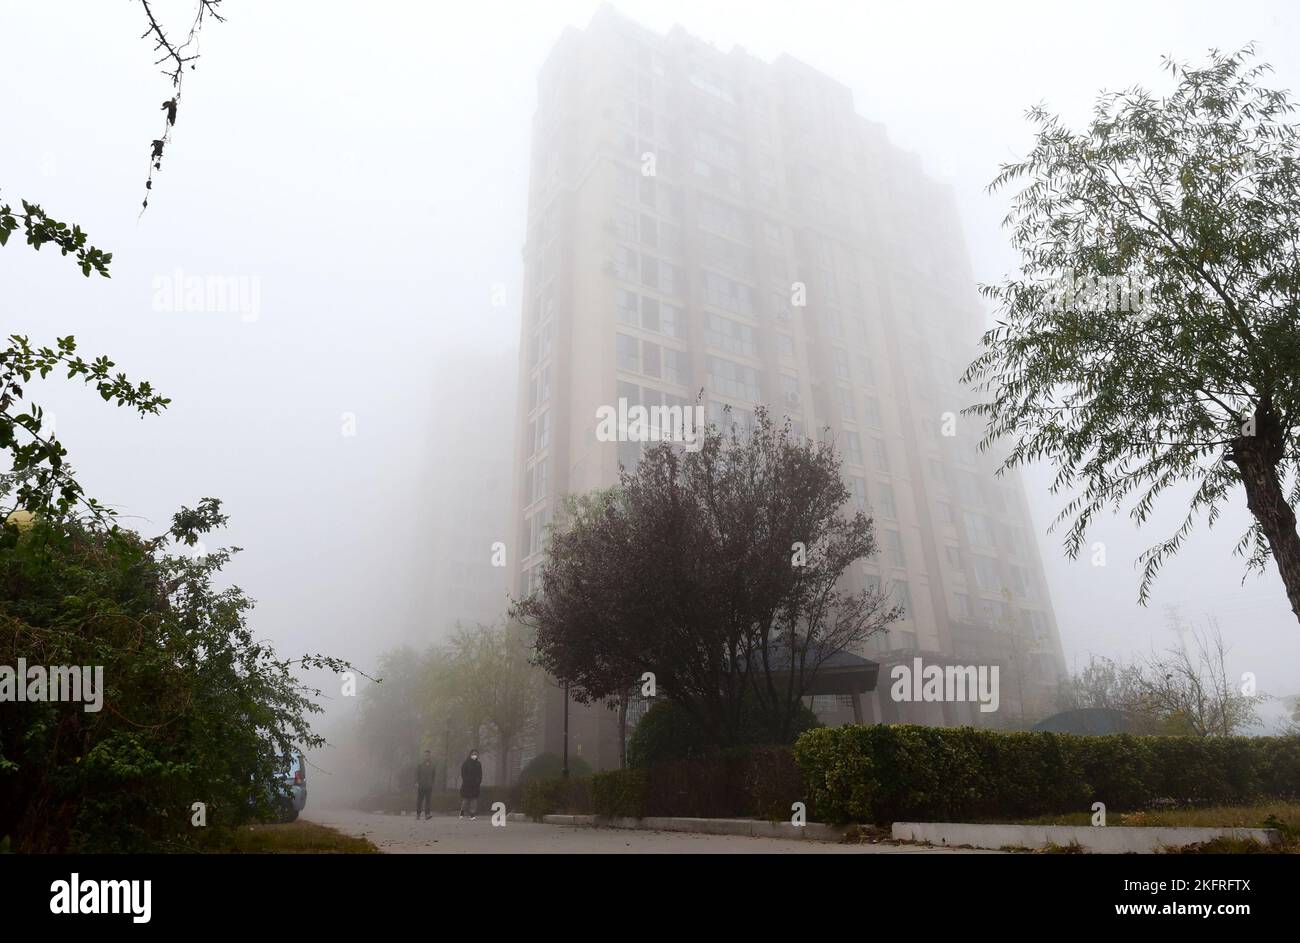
[[471, 777], [424, 786]]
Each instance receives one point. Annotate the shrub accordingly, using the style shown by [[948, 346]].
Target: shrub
[[550, 766], [770, 782], [897, 772], [668, 732], [570, 796], [665, 733], [619, 793]]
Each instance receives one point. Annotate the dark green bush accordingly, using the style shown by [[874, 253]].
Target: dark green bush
[[550, 765], [665, 733], [668, 732], [619, 793], [888, 773], [770, 782], [570, 796]]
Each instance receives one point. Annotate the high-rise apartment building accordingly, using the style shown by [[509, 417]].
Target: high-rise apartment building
[[700, 219]]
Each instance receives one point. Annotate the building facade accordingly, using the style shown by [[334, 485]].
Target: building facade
[[700, 219]]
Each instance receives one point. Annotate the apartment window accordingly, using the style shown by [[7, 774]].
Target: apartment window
[[986, 574], [1039, 622], [626, 263], [900, 594], [539, 345], [790, 390], [853, 447], [725, 293], [1022, 583], [731, 421], [725, 254], [731, 336], [733, 379], [894, 547], [880, 455], [961, 605], [841, 359], [628, 303], [978, 531], [629, 353], [676, 366], [649, 231], [858, 489], [543, 426], [671, 320], [537, 531], [885, 502], [846, 402], [625, 224], [670, 238], [785, 345], [872, 414], [723, 218], [954, 557], [651, 362], [539, 388]]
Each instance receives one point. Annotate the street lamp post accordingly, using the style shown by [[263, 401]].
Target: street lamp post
[[564, 770]]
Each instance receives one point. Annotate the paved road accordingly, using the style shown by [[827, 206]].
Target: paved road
[[404, 834]]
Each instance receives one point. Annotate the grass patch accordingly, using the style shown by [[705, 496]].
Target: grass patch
[[1284, 816], [295, 838]]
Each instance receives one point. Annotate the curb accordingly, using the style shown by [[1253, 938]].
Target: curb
[[748, 828], [1115, 839]]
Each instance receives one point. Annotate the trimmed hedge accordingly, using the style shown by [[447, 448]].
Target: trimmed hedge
[[570, 796], [619, 793], [759, 782], [888, 773]]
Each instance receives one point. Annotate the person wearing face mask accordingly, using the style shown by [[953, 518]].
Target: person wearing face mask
[[471, 777]]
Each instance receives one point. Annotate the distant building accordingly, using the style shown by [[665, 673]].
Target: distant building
[[700, 219], [468, 493]]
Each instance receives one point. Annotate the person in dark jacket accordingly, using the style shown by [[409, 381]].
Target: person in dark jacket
[[424, 786], [471, 777]]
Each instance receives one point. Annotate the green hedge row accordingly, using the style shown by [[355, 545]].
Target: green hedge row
[[892, 773], [760, 782]]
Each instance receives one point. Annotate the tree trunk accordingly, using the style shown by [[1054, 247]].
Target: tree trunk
[[622, 731], [1257, 458], [503, 758]]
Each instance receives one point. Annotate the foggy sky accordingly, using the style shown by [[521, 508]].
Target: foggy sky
[[367, 163]]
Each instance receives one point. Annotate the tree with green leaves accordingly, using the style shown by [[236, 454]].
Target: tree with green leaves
[[490, 675], [38, 461], [1151, 337], [193, 706]]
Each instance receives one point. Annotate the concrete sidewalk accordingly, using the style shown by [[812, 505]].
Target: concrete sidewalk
[[404, 834]]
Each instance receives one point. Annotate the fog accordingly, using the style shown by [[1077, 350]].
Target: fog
[[365, 166]]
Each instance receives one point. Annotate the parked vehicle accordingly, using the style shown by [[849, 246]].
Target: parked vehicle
[[293, 781]]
